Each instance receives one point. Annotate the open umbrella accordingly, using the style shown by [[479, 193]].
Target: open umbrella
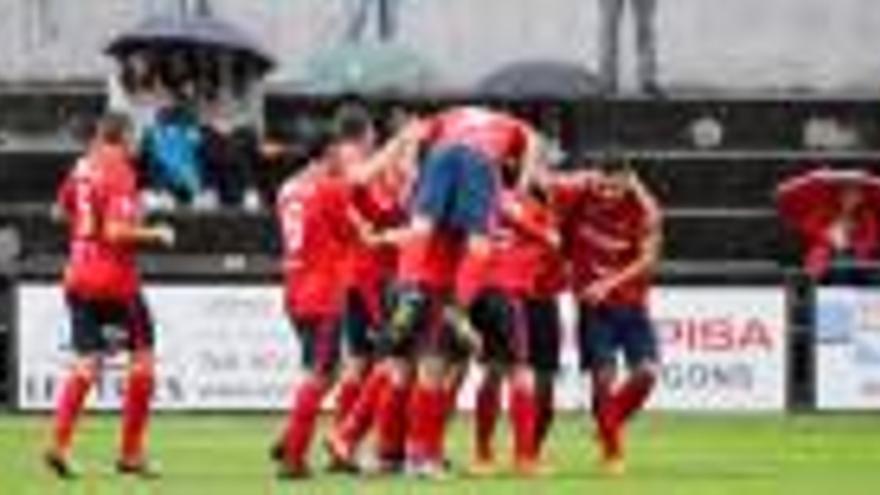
[[539, 78], [366, 68], [203, 31], [819, 192]]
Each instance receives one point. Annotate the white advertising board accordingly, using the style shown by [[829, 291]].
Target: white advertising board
[[229, 347], [847, 348]]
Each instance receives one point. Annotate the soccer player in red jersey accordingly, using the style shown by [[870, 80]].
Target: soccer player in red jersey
[[102, 286], [454, 198], [525, 244], [612, 231], [372, 270], [354, 141], [319, 225]]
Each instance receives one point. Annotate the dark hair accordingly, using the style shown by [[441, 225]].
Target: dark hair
[[112, 128], [351, 121], [613, 162]]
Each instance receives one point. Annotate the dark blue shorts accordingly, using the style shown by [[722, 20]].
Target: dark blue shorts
[[425, 332], [357, 326], [603, 332], [456, 188], [321, 342], [517, 330], [102, 327]]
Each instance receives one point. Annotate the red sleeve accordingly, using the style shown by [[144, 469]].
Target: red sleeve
[[564, 196], [120, 201]]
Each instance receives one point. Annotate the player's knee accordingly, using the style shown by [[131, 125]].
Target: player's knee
[[647, 370], [86, 367], [431, 371], [523, 377], [355, 368]]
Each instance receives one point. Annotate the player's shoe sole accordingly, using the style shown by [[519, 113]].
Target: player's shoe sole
[[530, 468], [341, 461], [142, 469], [276, 452], [287, 473], [60, 466]]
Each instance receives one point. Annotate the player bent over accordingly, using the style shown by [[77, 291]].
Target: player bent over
[[613, 236], [102, 286]]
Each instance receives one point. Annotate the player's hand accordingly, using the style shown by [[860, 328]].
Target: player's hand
[[165, 234], [414, 130], [597, 292]]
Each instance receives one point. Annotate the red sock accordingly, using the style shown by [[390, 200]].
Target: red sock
[[301, 422], [348, 392], [487, 408], [364, 411], [633, 395], [70, 404], [523, 416], [425, 433], [136, 412], [546, 414], [605, 416], [391, 423]]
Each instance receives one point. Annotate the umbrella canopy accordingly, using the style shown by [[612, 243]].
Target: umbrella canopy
[[366, 68], [540, 78], [819, 192], [192, 31]]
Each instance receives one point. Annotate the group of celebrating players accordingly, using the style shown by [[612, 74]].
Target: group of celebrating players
[[451, 241]]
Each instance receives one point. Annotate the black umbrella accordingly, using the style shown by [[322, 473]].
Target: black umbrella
[[190, 31], [539, 78]]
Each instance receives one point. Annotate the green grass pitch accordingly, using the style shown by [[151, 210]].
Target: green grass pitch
[[225, 455]]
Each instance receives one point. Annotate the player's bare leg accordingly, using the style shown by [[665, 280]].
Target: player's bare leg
[[135, 416], [80, 378]]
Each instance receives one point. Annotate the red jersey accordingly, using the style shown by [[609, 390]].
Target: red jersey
[[602, 235], [312, 211], [101, 188], [431, 262], [497, 136], [522, 252]]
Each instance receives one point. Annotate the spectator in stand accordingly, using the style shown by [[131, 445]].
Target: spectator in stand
[[359, 20], [231, 119], [837, 216], [611, 13], [172, 154]]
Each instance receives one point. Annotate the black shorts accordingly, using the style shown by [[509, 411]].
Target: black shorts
[[105, 327], [603, 332], [545, 332], [321, 342], [357, 326], [417, 326], [518, 330]]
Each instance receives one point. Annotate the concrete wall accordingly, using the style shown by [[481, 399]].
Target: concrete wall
[[739, 44]]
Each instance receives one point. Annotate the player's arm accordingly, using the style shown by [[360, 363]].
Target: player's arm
[[532, 158], [518, 219], [126, 232], [120, 226], [403, 147]]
